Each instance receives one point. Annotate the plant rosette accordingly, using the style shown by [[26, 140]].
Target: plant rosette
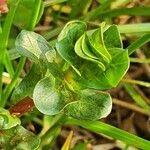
[[72, 76]]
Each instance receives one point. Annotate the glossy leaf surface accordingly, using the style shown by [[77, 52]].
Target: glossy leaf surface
[[34, 46], [49, 98], [18, 138], [101, 61], [94, 77], [7, 121], [90, 105], [96, 41], [112, 37], [80, 52]]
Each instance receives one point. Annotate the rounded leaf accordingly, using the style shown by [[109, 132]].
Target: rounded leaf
[[90, 106], [47, 98], [34, 46]]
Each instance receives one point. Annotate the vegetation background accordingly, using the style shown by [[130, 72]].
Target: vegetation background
[[131, 98]]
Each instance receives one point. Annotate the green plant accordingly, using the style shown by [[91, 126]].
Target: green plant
[[68, 80], [63, 85], [92, 61]]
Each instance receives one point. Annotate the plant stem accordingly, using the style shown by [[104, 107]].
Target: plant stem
[[103, 128], [142, 83], [140, 60], [4, 38], [134, 28], [133, 107], [10, 87], [8, 65], [55, 123], [50, 136], [128, 28]]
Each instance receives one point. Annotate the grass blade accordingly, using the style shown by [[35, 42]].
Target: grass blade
[[67, 143], [138, 43], [136, 96], [142, 83], [53, 2], [139, 60], [134, 28], [8, 64], [100, 127], [135, 11], [97, 11]]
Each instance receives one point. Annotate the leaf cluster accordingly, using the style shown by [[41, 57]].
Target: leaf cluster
[[64, 78], [13, 135]]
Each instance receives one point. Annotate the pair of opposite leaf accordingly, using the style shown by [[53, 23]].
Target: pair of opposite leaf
[[97, 60]]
